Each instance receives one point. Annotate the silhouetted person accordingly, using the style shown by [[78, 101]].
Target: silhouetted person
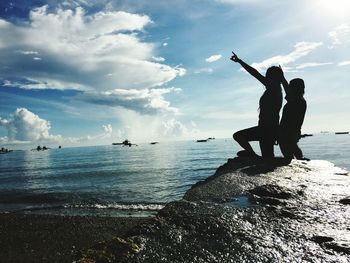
[[269, 105], [292, 119]]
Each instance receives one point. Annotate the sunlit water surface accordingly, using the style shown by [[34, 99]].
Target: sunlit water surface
[[117, 181]]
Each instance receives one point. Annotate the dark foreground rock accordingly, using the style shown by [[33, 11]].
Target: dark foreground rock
[[30, 238], [246, 212]]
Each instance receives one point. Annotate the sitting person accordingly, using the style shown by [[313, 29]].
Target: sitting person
[[269, 105], [292, 120]]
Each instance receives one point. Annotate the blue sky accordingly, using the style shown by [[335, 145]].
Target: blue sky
[[91, 72]]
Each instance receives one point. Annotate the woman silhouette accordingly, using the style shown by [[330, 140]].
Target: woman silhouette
[[292, 119], [270, 104]]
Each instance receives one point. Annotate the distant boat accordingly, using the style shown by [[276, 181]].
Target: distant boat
[[306, 135], [202, 140], [154, 142], [124, 143], [211, 138], [342, 133], [39, 148], [5, 150]]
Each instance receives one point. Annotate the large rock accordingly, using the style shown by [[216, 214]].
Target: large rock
[[250, 212]]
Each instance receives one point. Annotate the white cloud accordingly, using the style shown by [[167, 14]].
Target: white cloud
[[146, 101], [213, 58], [44, 83], [228, 115], [24, 125], [104, 137], [301, 49], [80, 50], [340, 35], [344, 63], [204, 70], [107, 129], [158, 59], [145, 128], [235, 2], [312, 65], [28, 52], [173, 127]]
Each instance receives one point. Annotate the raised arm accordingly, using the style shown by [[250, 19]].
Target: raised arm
[[284, 82], [252, 71]]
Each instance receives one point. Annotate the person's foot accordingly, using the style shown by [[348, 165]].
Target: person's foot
[[245, 153], [303, 159]]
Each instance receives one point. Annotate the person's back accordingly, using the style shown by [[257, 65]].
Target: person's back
[[292, 120], [293, 117]]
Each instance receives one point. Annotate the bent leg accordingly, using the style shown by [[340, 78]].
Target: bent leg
[[243, 137], [286, 148], [299, 154], [266, 147], [267, 141]]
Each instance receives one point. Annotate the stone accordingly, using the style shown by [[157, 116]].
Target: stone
[[247, 213]]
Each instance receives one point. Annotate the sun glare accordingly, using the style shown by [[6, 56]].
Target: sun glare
[[332, 8]]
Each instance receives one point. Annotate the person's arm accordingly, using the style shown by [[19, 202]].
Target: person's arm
[[252, 71], [284, 82]]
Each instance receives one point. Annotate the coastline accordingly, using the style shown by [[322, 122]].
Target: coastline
[[54, 238]]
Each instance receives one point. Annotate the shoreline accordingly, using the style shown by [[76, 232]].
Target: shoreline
[[57, 238]]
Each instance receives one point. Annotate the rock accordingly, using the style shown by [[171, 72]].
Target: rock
[[271, 190], [345, 201], [338, 247], [322, 239], [247, 213], [110, 251]]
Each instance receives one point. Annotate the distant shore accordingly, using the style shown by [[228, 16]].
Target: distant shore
[[50, 238]]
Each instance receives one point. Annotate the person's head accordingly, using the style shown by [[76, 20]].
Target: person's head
[[297, 87], [274, 73]]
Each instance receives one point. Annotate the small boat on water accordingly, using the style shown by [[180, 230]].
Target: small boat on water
[[342, 133], [306, 135], [4, 150], [39, 148], [154, 143], [124, 143], [206, 140]]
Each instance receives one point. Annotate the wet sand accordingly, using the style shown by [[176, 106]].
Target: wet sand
[[49, 238]]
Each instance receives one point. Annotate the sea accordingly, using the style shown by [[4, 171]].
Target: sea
[[115, 180]]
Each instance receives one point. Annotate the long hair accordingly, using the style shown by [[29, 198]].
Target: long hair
[[274, 73], [297, 87]]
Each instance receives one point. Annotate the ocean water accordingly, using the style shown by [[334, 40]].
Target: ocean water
[[119, 181]]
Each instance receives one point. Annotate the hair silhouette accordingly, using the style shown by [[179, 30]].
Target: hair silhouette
[[274, 73]]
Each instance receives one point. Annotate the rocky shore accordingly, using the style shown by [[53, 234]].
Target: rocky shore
[[49, 238], [246, 212]]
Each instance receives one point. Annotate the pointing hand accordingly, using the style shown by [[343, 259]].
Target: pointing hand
[[234, 57]]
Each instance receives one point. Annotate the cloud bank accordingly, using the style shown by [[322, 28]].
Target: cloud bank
[[340, 35], [25, 126], [301, 49], [96, 53], [145, 101]]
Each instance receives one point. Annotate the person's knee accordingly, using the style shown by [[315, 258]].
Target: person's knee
[[237, 136]]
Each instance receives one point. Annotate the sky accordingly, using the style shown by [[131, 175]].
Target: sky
[[85, 72]]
